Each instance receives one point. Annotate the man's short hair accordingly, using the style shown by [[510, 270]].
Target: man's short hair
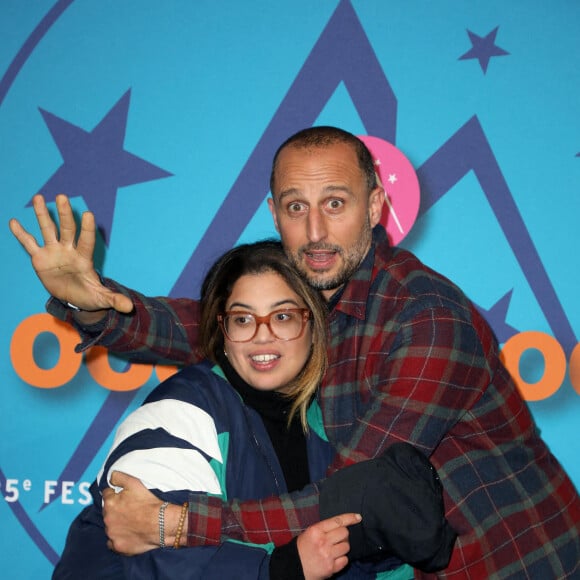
[[325, 136]]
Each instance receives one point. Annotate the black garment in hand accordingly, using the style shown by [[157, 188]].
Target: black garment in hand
[[400, 499]]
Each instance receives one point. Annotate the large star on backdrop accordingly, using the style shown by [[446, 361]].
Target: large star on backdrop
[[483, 48], [95, 164]]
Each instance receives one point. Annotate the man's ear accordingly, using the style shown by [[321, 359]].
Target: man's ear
[[376, 202], [272, 207]]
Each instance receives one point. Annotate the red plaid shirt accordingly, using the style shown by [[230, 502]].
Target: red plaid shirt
[[411, 359]]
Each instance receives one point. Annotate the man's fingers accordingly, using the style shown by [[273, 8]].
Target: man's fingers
[[86, 241], [68, 226], [120, 479], [28, 241], [46, 223], [121, 303]]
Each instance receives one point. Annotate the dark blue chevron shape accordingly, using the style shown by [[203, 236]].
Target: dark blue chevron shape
[[469, 150]]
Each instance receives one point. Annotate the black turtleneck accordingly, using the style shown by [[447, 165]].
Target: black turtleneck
[[289, 442]]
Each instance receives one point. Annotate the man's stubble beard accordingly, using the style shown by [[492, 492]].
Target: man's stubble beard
[[351, 260]]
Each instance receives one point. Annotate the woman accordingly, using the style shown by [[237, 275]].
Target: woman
[[236, 426]]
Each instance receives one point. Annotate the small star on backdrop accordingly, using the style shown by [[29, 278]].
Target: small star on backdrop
[[496, 316], [483, 48]]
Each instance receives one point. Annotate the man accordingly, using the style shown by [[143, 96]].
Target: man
[[410, 358]]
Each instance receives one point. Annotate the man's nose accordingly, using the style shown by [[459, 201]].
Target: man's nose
[[316, 226]]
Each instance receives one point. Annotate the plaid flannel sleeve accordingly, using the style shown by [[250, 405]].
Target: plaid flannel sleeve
[[274, 519], [158, 330]]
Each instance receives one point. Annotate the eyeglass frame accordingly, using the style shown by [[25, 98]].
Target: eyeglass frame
[[306, 316]]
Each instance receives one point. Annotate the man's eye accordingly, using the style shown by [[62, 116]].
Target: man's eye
[[335, 204], [295, 207]]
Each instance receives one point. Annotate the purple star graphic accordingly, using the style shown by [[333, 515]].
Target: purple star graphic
[[95, 164], [483, 48]]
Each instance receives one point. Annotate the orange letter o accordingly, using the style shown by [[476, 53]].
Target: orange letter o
[[574, 369], [165, 371], [554, 363], [22, 352], [135, 376]]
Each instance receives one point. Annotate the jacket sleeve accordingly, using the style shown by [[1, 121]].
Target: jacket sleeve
[[168, 443], [229, 560], [87, 556]]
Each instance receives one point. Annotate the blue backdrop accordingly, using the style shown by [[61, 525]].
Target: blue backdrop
[[162, 118]]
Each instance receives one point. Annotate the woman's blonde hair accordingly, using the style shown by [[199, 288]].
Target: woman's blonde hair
[[258, 258]]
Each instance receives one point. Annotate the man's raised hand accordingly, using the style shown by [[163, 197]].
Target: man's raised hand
[[64, 264]]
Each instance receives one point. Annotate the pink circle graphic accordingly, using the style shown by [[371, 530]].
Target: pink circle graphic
[[401, 186]]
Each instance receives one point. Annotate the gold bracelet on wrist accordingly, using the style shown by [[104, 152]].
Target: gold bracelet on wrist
[[179, 531]]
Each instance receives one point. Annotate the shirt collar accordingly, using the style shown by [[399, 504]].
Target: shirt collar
[[352, 299]]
